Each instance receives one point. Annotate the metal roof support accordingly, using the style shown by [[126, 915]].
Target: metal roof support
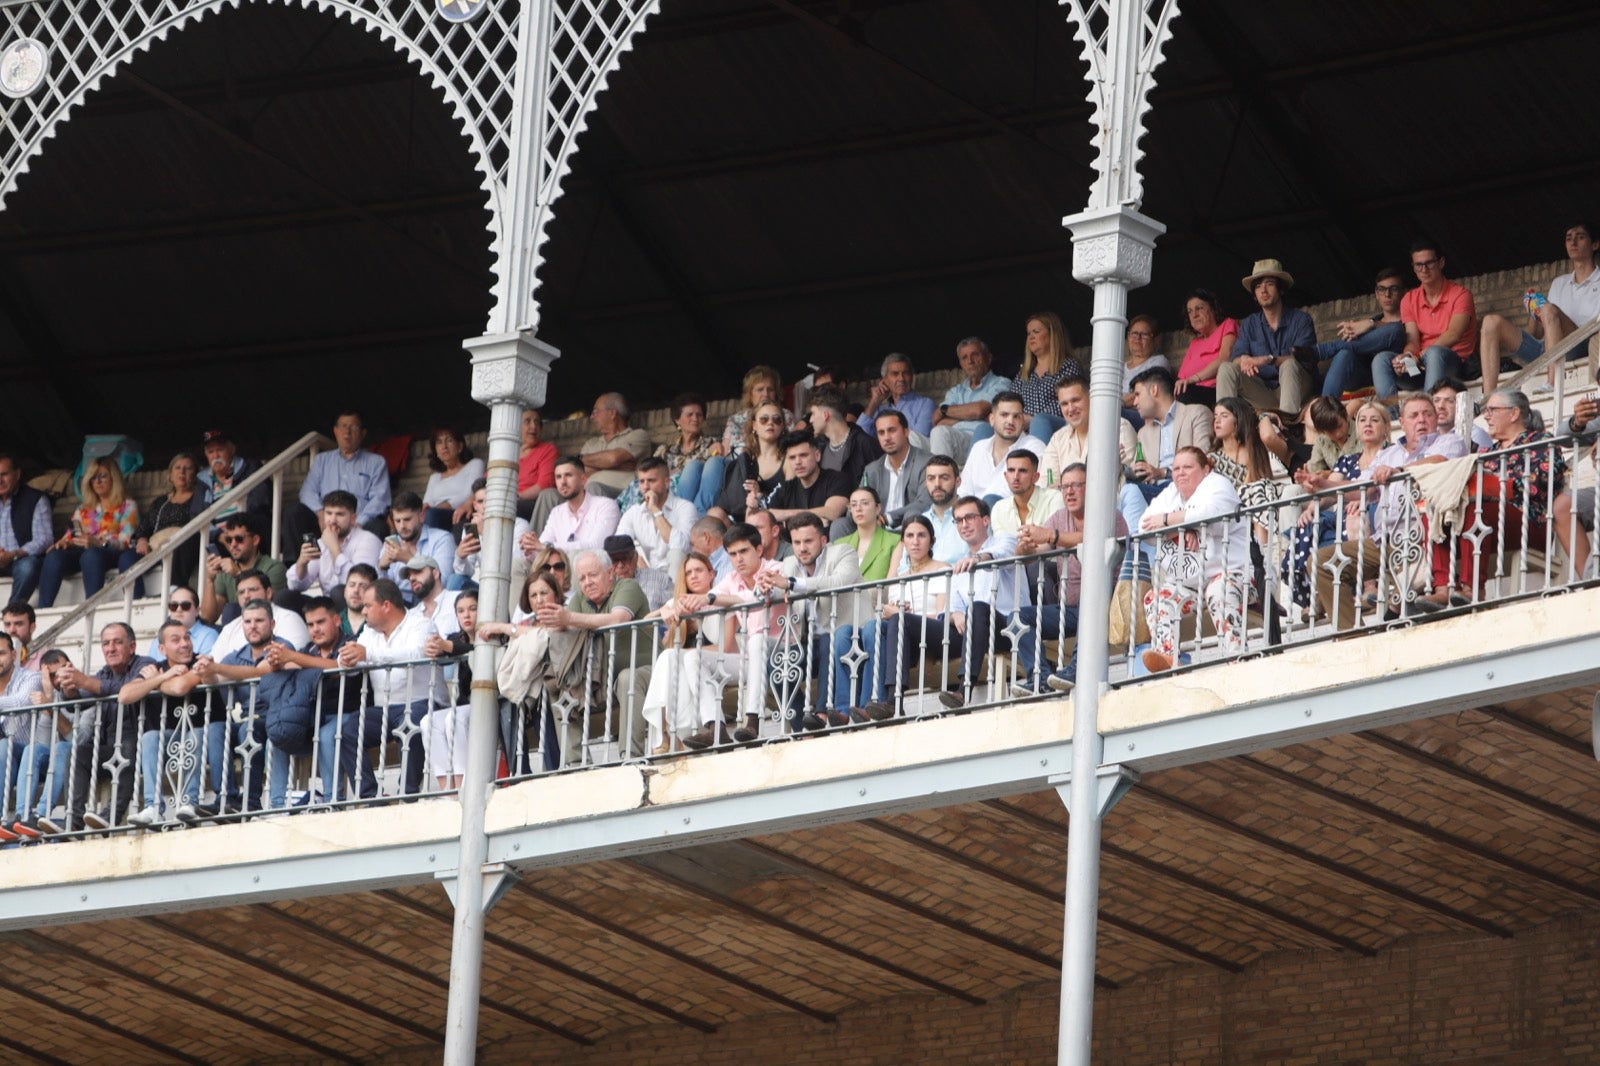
[[1112, 245]]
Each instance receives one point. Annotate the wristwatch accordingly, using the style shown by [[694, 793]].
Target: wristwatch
[[944, 409], [711, 598]]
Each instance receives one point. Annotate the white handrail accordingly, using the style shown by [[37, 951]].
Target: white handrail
[[123, 584]]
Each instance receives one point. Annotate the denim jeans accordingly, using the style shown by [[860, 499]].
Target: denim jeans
[[1351, 363], [700, 482], [214, 754], [1438, 363], [346, 736], [24, 577], [95, 564], [1050, 622], [36, 763]]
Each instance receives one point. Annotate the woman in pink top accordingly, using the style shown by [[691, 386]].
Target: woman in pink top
[[1212, 346]]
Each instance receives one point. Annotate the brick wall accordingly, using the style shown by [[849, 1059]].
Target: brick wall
[[1483, 1001]]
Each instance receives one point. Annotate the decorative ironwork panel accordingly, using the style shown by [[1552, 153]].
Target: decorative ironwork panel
[[1122, 43]]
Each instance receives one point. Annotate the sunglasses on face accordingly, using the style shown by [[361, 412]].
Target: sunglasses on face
[[180, 605]]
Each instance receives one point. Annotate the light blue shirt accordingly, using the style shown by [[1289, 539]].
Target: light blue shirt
[[917, 409], [202, 636], [364, 475], [986, 390], [1169, 437], [1005, 588], [948, 547]]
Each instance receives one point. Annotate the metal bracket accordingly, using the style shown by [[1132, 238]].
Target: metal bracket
[[1111, 783], [497, 879]]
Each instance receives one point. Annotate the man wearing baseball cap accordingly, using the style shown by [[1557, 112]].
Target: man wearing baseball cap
[[624, 555], [1263, 369], [225, 469], [434, 602]]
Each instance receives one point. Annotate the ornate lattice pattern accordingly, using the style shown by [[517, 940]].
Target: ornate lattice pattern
[[1122, 43]]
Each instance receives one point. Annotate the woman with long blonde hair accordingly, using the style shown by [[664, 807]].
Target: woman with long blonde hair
[[1046, 360], [101, 536], [761, 385]]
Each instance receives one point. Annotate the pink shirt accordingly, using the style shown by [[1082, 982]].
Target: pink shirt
[[1204, 349], [734, 589], [1433, 319]]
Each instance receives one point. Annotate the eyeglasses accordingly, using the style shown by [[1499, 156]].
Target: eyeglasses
[[180, 605], [968, 517], [1424, 264], [1144, 333], [1390, 290], [1486, 410]]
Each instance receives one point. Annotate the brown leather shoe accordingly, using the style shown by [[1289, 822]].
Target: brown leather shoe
[[749, 731]]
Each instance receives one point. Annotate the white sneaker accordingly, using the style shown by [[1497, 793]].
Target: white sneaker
[[1059, 683], [187, 813], [1544, 388], [146, 818]]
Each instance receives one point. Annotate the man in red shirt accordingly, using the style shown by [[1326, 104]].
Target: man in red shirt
[[1441, 329]]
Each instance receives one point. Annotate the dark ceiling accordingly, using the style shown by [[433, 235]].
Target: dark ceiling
[[270, 215]]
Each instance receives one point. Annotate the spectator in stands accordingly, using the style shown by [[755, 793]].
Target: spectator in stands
[[659, 523], [411, 538], [401, 695], [47, 751], [327, 561], [772, 546], [966, 404], [843, 449], [20, 620], [1060, 531], [252, 585], [1239, 454], [1440, 321], [241, 541], [349, 468], [560, 566], [448, 495], [536, 463], [25, 533], [1349, 355], [114, 732], [1046, 359], [224, 471], [353, 617], [682, 696], [1214, 336], [432, 602], [912, 615], [762, 386], [758, 466], [624, 557], [705, 537], [191, 736], [183, 605], [582, 519], [694, 461], [100, 538], [1574, 299], [1212, 560], [610, 455], [1027, 503], [1168, 426], [1071, 445], [264, 711], [1332, 519], [982, 600], [895, 391], [869, 537], [820, 628], [757, 619], [1264, 369], [1144, 352], [26, 739], [1574, 505], [558, 677], [1341, 568], [896, 475], [810, 487], [603, 600], [940, 479], [167, 514], [337, 692], [1512, 496], [984, 472], [448, 728], [1446, 398]]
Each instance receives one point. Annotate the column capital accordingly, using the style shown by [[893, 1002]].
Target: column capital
[[1113, 244], [510, 368]]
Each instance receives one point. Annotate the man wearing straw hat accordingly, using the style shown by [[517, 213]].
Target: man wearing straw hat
[[1264, 369]]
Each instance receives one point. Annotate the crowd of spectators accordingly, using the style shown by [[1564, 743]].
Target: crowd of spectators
[[924, 492]]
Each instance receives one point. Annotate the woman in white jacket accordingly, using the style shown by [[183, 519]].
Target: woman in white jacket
[[1212, 559]]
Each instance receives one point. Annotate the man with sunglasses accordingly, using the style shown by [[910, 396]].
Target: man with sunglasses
[[183, 605], [1348, 357], [1441, 329], [241, 546]]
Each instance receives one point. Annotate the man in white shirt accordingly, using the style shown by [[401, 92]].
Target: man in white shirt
[[1574, 299], [433, 602], [327, 561], [984, 473], [660, 522], [828, 623], [1070, 445], [400, 694], [981, 600]]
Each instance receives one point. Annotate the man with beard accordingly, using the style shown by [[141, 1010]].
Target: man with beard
[[171, 725], [581, 519], [241, 545], [411, 538], [939, 480], [431, 601]]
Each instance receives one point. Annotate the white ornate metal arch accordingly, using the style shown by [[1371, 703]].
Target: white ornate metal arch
[[521, 79]]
